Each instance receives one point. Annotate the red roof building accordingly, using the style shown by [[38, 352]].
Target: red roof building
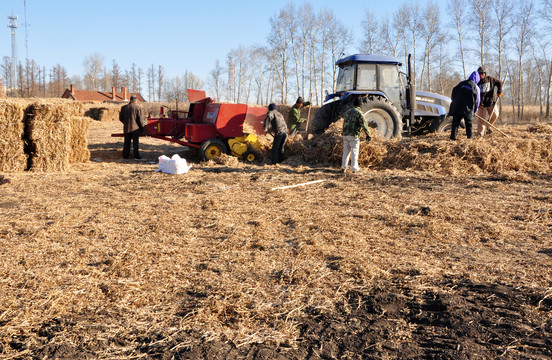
[[100, 96]]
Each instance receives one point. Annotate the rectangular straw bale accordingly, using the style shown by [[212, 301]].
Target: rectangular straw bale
[[12, 147], [48, 125], [110, 113], [92, 112], [79, 139]]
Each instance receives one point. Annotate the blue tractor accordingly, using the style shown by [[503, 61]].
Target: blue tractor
[[386, 96]]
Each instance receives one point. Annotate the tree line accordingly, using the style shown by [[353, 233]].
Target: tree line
[[447, 41]]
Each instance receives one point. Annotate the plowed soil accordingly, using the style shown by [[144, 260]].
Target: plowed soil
[[113, 260]]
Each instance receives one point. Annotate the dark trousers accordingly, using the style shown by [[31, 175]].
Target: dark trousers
[[456, 123], [278, 147], [131, 136]]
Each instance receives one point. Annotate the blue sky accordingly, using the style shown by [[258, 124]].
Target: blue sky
[[179, 35]]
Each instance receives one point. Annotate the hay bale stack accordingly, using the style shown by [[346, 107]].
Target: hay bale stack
[[48, 129], [79, 139], [106, 112], [109, 113], [12, 152]]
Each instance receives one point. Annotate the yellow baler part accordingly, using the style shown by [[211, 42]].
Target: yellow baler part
[[237, 146], [253, 142]]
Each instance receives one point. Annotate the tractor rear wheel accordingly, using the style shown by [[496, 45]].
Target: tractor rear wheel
[[381, 115], [212, 149], [323, 118]]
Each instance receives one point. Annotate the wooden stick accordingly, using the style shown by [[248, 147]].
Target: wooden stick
[[303, 184], [491, 125], [308, 118]]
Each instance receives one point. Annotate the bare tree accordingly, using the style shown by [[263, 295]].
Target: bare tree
[[370, 26], [524, 25], [327, 20], [431, 32], [176, 89], [390, 37], [216, 80], [241, 58], [340, 39], [307, 29], [151, 79], [279, 56], [482, 11], [413, 24], [8, 75], [457, 8], [139, 77], [399, 24], [58, 80], [115, 75], [503, 10], [93, 65]]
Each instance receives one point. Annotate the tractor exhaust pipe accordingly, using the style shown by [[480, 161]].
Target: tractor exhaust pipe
[[411, 94]]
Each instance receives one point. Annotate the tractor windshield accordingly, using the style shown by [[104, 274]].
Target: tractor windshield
[[345, 78]]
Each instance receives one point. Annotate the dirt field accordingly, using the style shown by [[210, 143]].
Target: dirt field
[[113, 260]]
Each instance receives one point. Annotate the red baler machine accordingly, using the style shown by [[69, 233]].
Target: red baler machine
[[213, 128]]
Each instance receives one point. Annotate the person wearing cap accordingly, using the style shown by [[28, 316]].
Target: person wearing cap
[[294, 116], [131, 117], [465, 101], [487, 86], [353, 126], [276, 125]]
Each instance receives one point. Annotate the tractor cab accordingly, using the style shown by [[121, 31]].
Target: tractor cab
[[371, 74], [385, 93]]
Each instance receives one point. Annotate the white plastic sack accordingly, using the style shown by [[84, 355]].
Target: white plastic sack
[[173, 165]]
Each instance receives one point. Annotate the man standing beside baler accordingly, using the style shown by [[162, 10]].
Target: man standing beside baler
[[131, 117], [276, 125]]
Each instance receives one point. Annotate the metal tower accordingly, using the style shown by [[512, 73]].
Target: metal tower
[[13, 26]]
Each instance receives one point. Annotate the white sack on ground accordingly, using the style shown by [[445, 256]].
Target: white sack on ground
[[173, 165]]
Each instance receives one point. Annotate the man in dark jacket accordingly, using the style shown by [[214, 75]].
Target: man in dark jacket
[[487, 108], [131, 117], [465, 101], [276, 125]]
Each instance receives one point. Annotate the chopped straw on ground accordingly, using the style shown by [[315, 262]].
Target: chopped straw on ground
[[406, 259]]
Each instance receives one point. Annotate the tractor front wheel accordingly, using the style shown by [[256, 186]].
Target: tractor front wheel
[[212, 149], [446, 125]]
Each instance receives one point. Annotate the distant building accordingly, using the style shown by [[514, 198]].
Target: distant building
[[100, 96]]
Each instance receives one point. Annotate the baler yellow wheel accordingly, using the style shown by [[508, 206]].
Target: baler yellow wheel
[[212, 149], [250, 156]]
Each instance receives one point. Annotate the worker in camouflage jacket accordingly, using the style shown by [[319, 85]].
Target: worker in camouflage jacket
[[294, 117], [465, 101], [353, 126], [487, 108], [276, 125], [131, 117]]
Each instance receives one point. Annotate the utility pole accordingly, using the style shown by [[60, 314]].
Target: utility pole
[[26, 31], [13, 26]]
